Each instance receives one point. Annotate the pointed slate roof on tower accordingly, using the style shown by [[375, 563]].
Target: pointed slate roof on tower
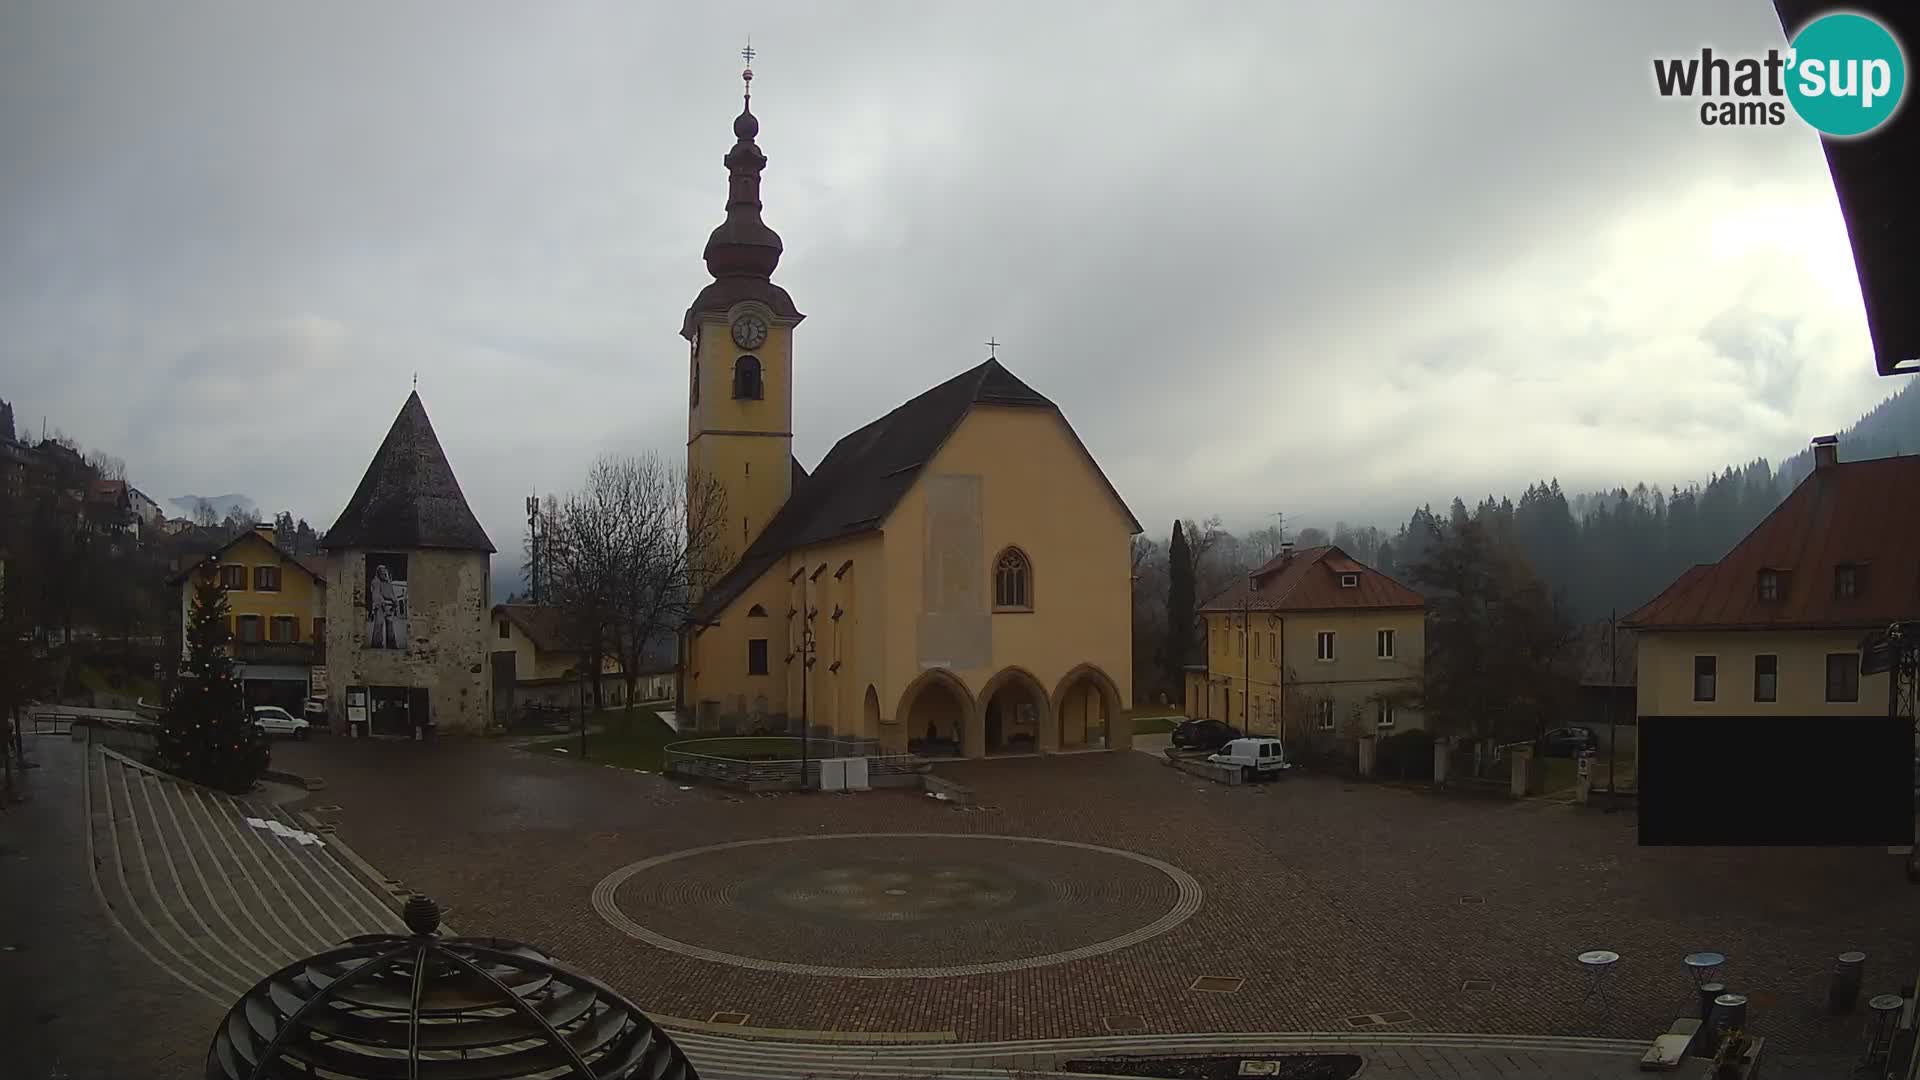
[[408, 497]]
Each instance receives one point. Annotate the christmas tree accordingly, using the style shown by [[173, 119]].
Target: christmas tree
[[206, 735]]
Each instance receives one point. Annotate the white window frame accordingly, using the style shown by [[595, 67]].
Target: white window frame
[[1349, 581], [1383, 716], [1715, 676], [1385, 636], [1323, 714], [1326, 645]]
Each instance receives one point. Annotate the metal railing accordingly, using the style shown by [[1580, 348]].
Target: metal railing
[[60, 719], [774, 760]]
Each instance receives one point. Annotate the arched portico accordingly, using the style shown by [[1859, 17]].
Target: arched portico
[[1086, 711], [939, 714], [1013, 714]]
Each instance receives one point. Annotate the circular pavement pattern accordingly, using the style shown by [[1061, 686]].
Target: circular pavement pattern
[[897, 905]]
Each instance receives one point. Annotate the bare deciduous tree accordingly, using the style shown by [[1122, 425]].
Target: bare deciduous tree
[[1219, 558], [628, 553], [1150, 582], [107, 466], [1263, 544]]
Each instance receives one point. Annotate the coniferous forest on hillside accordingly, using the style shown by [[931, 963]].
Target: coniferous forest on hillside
[[1597, 552]]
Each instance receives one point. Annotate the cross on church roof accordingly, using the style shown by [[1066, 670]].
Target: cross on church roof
[[993, 349]]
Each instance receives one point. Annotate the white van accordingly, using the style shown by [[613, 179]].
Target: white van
[[1256, 757]]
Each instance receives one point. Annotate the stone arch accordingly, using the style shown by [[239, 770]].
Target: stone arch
[[1087, 710], [1012, 713], [747, 384], [938, 712]]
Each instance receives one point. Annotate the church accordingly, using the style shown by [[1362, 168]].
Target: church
[[953, 578]]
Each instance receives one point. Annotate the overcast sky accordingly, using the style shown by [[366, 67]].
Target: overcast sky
[[1327, 259]]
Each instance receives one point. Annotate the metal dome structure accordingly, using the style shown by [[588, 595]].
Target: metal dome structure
[[424, 1007]]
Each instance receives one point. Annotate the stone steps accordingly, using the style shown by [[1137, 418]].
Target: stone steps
[[215, 901]]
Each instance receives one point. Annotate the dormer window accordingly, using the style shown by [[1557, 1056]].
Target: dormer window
[[1846, 581], [1769, 586], [746, 379], [1349, 581]]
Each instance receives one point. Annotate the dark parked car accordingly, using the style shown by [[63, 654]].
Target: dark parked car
[[1206, 735], [1568, 742]]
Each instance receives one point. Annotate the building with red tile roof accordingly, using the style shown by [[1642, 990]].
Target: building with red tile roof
[[1777, 625], [1315, 646]]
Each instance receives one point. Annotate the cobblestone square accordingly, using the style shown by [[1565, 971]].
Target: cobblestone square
[[1330, 900]]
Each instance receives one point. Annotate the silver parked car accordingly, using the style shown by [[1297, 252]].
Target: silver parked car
[[274, 720]]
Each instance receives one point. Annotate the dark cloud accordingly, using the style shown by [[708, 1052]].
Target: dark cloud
[[1332, 259]]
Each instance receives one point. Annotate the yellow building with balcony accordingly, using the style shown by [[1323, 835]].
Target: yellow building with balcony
[[276, 616]]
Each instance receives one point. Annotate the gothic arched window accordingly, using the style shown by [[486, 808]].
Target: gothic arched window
[[1013, 581], [746, 378]]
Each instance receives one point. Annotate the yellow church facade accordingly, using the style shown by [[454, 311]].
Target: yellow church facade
[[952, 578]]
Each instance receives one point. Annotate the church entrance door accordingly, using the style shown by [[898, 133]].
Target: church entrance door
[[1013, 712], [935, 716]]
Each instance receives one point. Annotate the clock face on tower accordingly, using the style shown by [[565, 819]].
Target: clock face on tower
[[749, 331]]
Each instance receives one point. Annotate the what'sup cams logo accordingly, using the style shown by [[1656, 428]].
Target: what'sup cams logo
[[1844, 74]]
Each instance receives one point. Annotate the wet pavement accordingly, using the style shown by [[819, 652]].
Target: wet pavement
[[1330, 902], [78, 1000], [1326, 917]]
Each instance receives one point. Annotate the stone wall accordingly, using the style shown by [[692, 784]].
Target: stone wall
[[891, 770], [449, 616]]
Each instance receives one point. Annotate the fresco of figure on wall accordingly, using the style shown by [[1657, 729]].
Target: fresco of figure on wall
[[386, 601]]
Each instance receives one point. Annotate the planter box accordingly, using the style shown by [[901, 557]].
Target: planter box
[[1207, 770]]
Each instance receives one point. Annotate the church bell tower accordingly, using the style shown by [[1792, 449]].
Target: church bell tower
[[740, 368]]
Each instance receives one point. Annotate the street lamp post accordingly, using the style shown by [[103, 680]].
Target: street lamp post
[[1613, 710], [580, 707], [1246, 658], [806, 674]]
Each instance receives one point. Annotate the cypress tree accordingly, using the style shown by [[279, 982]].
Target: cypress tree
[[1179, 607], [206, 734]]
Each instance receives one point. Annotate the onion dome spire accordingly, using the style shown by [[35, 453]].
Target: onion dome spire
[[743, 245]]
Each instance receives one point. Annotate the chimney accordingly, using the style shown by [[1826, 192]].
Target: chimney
[[264, 530], [1286, 549], [1826, 452]]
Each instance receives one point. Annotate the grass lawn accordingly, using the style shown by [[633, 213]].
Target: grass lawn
[[1156, 725], [633, 742], [131, 688], [638, 743]]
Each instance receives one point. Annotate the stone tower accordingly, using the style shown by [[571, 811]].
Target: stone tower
[[408, 580]]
